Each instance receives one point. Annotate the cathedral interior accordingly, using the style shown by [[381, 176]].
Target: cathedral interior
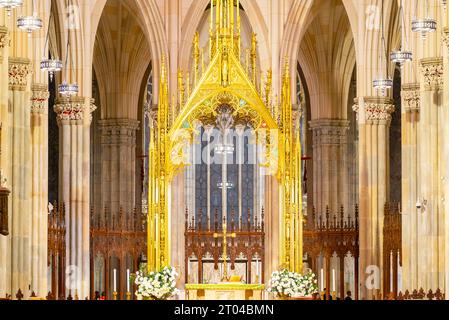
[[224, 137]]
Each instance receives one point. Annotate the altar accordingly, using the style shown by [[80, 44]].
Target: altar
[[224, 291]]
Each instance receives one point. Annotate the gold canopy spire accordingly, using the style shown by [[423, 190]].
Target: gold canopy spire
[[226, 15]]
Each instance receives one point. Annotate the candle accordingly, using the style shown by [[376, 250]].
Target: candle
[[333, 280], [127, 280], [257, 266], [115, 280], [322, 279]]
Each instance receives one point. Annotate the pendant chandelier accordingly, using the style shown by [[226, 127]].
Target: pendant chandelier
[[225, 148], [30, 23], [444, 4], [401, 56], [229, 185], [425, 25], [383, 83], [65, 88], [8, 5], [49, 64]]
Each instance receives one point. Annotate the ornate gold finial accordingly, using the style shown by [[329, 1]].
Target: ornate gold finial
[[163, 69], [196, 56], [181, 88]]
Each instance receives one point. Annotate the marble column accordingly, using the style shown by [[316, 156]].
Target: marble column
[[330, 142], [74, 119], [374, 121], [21, 215], [39, 192], [118, 164]]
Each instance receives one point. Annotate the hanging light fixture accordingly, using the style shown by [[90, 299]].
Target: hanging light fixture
[[9, 5], [65, 88], [382, 83], [425, 25], [401, 56], [30, 23], [225, 148], [444, 4], [68, 89], [49, 64], [229, 185]]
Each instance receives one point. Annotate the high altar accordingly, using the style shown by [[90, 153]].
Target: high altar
[[226, 95]]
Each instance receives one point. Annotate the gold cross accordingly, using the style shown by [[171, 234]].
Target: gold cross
[[225, 236]]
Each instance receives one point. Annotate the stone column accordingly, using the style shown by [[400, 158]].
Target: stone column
[[330, 174], [445, 156], [430, 218], [374, 121], [5, 282], [118, 164], [411, 101], [74, 119], [21, 217], [39, 192]]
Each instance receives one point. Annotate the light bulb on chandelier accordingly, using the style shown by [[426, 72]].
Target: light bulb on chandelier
[[9, 5]]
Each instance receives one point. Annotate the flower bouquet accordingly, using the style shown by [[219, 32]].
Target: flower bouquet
[[156, 285], [291, 285]]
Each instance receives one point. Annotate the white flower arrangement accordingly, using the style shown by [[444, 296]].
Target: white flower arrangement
[[156, 285], [287, 284]]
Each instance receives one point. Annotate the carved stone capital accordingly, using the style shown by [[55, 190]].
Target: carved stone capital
[[118, 131], [329, 131], [4, 40], [445, 37], [378, 110], [411, 97], [432, 71], [74, 110], [39, 97], [19, 69]]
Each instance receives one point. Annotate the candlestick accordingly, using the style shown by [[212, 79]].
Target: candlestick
[[128, 296], [333, 280], [322, 279], [115, 280], [127, 280], [114, 295]]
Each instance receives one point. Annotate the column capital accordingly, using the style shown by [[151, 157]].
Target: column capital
[[329, 131], [39, 96], [445, 37], [4, 39], [74, 110], [118, 131], [19, 69], [432, 71], [411, 97], [378, 110]]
